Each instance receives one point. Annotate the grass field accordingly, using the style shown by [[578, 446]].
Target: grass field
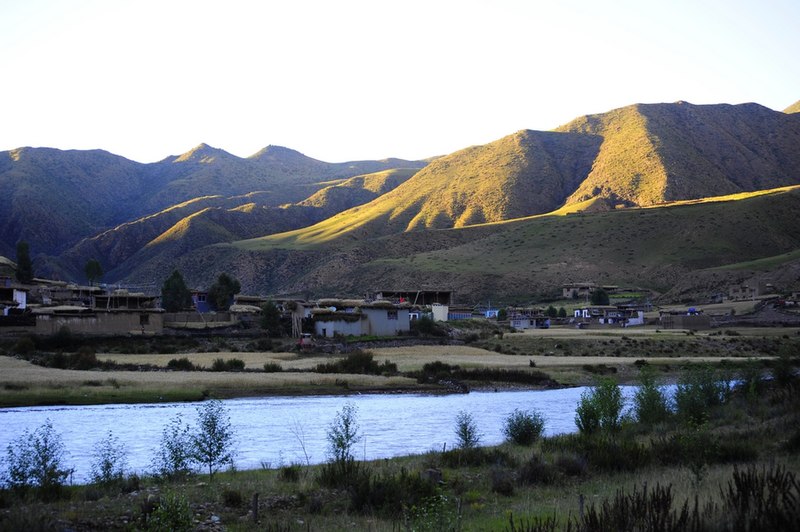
[[569, 356], [22, 383]]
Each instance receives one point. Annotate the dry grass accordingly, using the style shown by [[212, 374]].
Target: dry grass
[[24, 383], [414, 357]]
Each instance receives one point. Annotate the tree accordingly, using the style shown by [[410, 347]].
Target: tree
[[108, 466], [36, 460], [24, 264], [650, 405], [466, 431], [93, 271], [343, 434], [599, 297], [271, 319], [212, 443], [221, 293], [175, 295], [600, 408], [173, 458], [562, 312], [551, 312]]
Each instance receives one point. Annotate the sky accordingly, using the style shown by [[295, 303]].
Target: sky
[[350, 79]]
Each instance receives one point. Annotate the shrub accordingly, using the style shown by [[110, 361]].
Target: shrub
[[173, 458], [650, 404], [358, 362], [762, 499], [232, 364], [290, 473], [632, 511], [523, 428], [272, 367], [537, 471], [572, 465], [35, 460], [232, 498], [502, 481], [108, 466], [698, 391], [600, 408], [467, 435], [390, 494], [172, 513], [181, 364]]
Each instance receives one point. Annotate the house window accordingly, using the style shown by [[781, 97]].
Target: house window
[[201, 298], [144, 319], [391, 314]]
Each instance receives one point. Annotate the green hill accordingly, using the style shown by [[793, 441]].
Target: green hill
[[675, 249], [664, 152]]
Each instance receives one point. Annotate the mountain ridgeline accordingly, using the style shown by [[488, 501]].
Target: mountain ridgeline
[[283, 222]]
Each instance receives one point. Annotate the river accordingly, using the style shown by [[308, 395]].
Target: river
[[276, 431]]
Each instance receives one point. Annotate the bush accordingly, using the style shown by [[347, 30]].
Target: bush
[[25, 346], [524, 428], [698, 391], [360, 363], [172, 514], [35, 460], [467, 435], [232, 364], [762, 499], [173, 458], [600, 408], [182, 364], [390, 494], [537, 471], [108, 466], [272, 367], [290, 473], [232, 498], [650, 404]]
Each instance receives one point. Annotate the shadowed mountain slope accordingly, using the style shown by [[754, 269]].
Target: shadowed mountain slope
[[53, 198], [209, 220]]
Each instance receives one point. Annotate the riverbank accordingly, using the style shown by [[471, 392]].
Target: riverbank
[[752, 440], [567, 357]]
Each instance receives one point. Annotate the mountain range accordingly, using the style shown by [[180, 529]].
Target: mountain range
[[671, 197]]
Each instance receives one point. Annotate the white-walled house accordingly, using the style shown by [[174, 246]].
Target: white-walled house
[[609, 315], [350, 318], [12, 297]]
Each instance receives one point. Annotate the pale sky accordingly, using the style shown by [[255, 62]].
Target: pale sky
[[350, 79]]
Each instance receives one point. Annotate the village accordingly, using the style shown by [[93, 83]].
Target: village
[[45, 307]]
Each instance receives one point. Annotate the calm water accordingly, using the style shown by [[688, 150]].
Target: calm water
[[269, 430]]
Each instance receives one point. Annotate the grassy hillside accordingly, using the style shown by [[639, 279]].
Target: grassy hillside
[[683, 244], [525, 173], [663, 152], [794, 108]]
